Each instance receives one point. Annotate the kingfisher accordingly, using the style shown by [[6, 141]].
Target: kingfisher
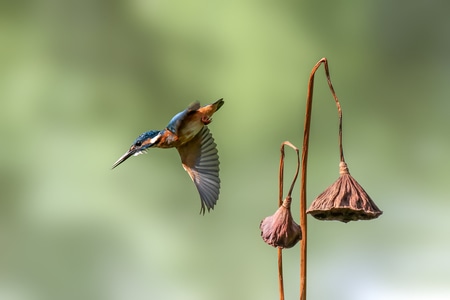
[[188, 133]]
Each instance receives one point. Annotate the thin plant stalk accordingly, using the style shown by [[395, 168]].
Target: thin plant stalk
[[280, 202], [280, 274], [304, 163]]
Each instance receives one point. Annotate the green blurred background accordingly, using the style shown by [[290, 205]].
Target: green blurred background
[[80, 80]]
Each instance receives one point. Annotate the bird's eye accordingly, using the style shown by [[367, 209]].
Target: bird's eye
[[138, 144]]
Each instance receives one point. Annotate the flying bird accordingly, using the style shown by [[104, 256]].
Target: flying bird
[[188, 133]]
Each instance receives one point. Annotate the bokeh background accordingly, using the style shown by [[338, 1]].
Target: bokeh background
[[80, 80]]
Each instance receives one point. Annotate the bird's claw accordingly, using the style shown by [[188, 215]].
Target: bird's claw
[[206, 120]]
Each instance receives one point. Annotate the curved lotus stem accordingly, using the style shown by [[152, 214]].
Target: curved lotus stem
[[304, 162]]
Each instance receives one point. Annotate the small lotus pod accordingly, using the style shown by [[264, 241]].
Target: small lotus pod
[[280, 229], [345, 200]]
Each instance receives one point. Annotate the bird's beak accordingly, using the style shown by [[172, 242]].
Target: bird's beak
[[123, 158]]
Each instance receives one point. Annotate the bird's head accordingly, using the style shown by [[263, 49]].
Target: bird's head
[[140, 145]]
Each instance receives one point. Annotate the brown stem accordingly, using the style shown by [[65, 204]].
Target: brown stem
[[338, 105], [280, 273], [287, 143], [280, 202], [304, 161]]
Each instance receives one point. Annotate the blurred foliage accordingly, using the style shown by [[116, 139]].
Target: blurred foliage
[[79, 80]]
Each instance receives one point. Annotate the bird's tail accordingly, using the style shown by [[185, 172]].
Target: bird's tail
[[210, 109], [218, 104]]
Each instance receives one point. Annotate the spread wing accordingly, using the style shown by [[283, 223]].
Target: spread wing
[[200, 159], [176, 121]]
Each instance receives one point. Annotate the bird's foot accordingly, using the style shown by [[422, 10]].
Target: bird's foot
[[206, 120]]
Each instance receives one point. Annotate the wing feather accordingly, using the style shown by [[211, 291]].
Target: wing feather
[[201, 160]]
